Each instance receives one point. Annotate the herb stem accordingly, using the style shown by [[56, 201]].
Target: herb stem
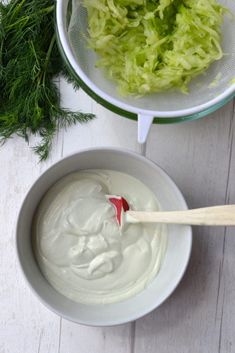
[[19, 22], [16, 9], [29, 62], [24, 20], [48, 58], [34, 52], [47, 10]]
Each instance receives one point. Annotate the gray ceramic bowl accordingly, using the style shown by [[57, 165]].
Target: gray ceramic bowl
[[177, 253]]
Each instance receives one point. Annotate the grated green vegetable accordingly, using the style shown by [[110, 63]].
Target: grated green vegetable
[[216, 80], [154, 45]]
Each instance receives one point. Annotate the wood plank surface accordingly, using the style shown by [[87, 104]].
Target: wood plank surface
[[25, 324], [227, 271], [190, 321], [200, 316]]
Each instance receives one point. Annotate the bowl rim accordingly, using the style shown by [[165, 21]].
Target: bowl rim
[[128, 114], [99, 94], [112, 322]]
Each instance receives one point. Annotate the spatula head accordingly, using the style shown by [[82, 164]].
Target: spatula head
[[120, 204]]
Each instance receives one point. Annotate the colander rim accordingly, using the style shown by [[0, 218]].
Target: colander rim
[[208, 107]]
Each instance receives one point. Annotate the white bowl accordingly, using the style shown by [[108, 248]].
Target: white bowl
[[175, 260]]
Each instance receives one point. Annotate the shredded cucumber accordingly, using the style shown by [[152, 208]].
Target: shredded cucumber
[[154, 45]]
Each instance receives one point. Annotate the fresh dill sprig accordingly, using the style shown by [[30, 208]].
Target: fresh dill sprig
[[29, 62]]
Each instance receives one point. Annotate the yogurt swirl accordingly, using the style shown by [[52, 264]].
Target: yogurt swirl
[[81, 249]]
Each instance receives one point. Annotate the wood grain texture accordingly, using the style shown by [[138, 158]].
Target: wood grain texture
[[200, 315], [25, 325], [197, 155], [226, 298], [76, 338], [223, 215], [107, 130]]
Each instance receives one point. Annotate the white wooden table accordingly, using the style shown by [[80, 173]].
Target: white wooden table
[[200, 316]]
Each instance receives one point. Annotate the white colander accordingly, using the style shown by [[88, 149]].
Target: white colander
[[167, 107]]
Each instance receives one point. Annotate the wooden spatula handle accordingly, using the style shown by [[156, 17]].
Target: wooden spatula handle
[[210, 216]]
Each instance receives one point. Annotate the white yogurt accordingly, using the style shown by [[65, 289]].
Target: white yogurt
[[81, 249]]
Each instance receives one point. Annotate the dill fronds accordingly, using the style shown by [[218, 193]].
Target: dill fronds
[[29, 60]]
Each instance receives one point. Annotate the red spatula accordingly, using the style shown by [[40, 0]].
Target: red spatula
[[209, 216], [120, 204]]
